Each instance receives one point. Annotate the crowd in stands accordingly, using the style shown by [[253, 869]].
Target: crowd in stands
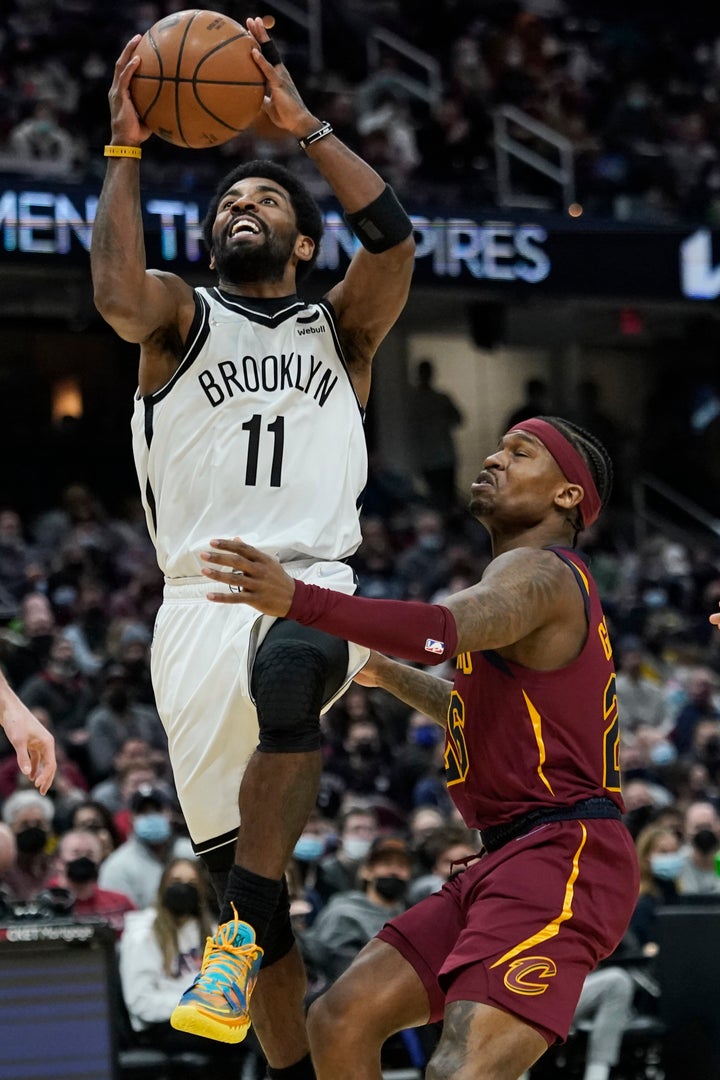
[[634, 93], [79, 590]]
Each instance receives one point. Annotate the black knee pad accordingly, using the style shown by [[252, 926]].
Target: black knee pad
[[288, 686], [279, 938]]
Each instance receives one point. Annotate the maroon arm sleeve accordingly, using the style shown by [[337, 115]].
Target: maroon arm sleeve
[[425, 633]]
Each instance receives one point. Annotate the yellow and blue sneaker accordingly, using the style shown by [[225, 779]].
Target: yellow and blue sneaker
[[216, 1006]]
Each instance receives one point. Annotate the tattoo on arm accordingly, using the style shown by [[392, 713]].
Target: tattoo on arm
[[427, 693], [507, 609]]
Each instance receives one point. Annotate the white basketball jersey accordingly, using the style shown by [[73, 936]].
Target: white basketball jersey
[[258, 434]]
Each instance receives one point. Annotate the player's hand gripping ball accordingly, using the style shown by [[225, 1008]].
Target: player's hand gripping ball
[[197, 84]]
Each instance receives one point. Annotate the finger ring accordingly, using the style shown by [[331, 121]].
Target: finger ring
[[236, 588]]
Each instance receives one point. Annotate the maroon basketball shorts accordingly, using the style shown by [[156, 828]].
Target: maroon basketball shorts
[[521, 928]]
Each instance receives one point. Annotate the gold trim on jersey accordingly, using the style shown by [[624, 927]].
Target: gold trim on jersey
[[536, 721], [585, 581], [553, 928]]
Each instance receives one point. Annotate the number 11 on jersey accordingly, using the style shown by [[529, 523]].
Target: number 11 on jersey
[[276, 429]]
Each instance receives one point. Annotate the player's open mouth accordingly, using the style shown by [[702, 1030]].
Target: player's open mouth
[[245, 225], [484, 480]]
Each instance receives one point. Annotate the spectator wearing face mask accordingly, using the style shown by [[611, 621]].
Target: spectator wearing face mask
[[362, 765], [88, 629], [135, 868], [415, 758], [61, 689], [350, 919], [705, 750], [133, 753], [357, 828], [135, 777], [30, 816], [77, 866], [660, 860], [160, 954], [26, 651], [93, 816], [115, 720], [702, 843], [133, 652], [311, 846], [424, 566]]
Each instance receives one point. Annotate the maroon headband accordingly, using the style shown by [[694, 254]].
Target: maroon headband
[[571, 463]]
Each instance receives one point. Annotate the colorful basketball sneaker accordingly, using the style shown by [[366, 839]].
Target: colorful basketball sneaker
[[217, 1004]]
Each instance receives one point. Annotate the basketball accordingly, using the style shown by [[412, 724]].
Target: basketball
[[197, 85]]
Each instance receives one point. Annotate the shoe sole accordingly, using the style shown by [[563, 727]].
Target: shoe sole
[[192, 1019]]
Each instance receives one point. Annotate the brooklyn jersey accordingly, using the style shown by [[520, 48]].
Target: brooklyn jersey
[[519, 739], [258, 434]]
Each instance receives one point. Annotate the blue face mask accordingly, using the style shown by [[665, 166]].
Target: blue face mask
[[355, 847], [309, 848], [152, 828], [431, 542], [663, 753], [667, 864], [426, 735]]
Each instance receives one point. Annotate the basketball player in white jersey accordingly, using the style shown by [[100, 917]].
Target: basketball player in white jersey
[[248, 420]]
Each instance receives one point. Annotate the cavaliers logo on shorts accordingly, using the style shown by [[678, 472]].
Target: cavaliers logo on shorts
[[529, 975]]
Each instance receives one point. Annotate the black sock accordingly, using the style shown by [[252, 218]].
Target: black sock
[[255, 899], [301, 1070]]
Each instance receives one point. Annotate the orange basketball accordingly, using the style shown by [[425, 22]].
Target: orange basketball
[[197, 84]]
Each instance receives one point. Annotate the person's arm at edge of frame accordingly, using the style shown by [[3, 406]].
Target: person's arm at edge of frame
[[33, 744], [132, 299], [375, 288], [428, 694]]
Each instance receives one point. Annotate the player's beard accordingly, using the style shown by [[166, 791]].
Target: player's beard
[[244, 263]]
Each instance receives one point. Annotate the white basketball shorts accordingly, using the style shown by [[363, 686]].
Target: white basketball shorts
[[202, 657]]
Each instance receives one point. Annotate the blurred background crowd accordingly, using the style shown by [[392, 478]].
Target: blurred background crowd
[[634, 92]]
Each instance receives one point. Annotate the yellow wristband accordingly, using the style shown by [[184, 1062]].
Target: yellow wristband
[[123, 151]]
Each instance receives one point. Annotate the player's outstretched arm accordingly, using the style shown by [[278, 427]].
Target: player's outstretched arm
[[425, 633], [353, 181], [374, 291], [522, 591], [33, 744], [134, 301], [715, 618]]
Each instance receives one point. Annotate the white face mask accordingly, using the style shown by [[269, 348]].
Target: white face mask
[[355, 847]]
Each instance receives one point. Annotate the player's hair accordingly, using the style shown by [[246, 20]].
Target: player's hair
[[593, 454], [308, 215]]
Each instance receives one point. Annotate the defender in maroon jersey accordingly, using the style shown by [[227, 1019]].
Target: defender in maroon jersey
[[502, 951]]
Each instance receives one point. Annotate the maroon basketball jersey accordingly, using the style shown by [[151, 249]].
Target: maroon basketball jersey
[[520, 740]]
